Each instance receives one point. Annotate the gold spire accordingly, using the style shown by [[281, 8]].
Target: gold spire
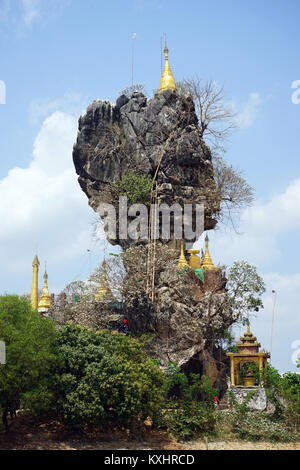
[[167, 81], [104, 293], [34, 287], [45, 300], [207, 261], [182, 262], [248, 339]]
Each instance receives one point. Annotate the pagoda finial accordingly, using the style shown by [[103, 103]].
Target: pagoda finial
[[248, 327], [45, 300], [182, 262], [207, 261], [167, 81]]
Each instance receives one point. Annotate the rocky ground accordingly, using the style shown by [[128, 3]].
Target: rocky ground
[[27, 434]]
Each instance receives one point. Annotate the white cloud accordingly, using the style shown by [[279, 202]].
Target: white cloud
[[43, 204], [248, 112], [31, 11]]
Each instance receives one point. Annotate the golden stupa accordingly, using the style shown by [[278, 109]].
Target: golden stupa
[[167, 81], [194, 261], [206, 260], [45, 300], [34, 287], [182, 262], [104, 293]]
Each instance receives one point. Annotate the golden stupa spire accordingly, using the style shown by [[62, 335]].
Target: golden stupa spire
[[207, 261], [45, 300], [167, 81], [104, 293], [34, 286], [182, 262]]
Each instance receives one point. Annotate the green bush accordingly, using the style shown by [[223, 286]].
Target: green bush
[[284, 393], [31, 356], [189, 405], [135, 186], [190, 420], [194, 387], [106, 378]]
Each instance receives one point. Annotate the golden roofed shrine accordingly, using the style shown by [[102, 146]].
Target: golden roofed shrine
[[248, 352]]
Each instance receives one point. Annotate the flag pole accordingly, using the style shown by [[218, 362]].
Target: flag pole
[[132, 55]]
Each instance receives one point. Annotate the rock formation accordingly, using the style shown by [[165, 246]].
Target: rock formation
[[140, 135], [186, 317]]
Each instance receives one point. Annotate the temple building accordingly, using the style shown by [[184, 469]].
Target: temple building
[[208, 277], [248, 352], [195, 262]]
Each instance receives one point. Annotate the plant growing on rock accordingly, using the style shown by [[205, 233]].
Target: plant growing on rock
[[137, 187]]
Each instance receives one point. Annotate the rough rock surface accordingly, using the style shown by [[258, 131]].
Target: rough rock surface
[[184, 326], [138, 135], [258, 402]]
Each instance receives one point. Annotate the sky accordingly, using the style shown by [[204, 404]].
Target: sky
[[59, 55]]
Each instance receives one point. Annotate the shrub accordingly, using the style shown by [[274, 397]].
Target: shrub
[[189, 406], [106, 378], [188, 388], [31, 356], [135, 186], [190, 420]]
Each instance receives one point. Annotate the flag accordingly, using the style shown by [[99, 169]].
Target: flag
[[133, 35]]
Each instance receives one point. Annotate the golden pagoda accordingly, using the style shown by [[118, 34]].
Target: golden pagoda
[[182, 262], [34, 287], [194, 261], [167, 81], [104, 293], [45, 300], [206, 260], [248, 351]]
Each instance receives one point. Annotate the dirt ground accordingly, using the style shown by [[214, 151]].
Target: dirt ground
[[27, 434]]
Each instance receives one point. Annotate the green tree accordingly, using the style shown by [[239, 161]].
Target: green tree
[[106, 378], [245, 288], [31, 357]]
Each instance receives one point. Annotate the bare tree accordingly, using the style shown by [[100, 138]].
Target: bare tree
[[233, 191], [216, 122], [216, 118]]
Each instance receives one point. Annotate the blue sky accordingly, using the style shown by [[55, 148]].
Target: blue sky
[[59, 55]]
